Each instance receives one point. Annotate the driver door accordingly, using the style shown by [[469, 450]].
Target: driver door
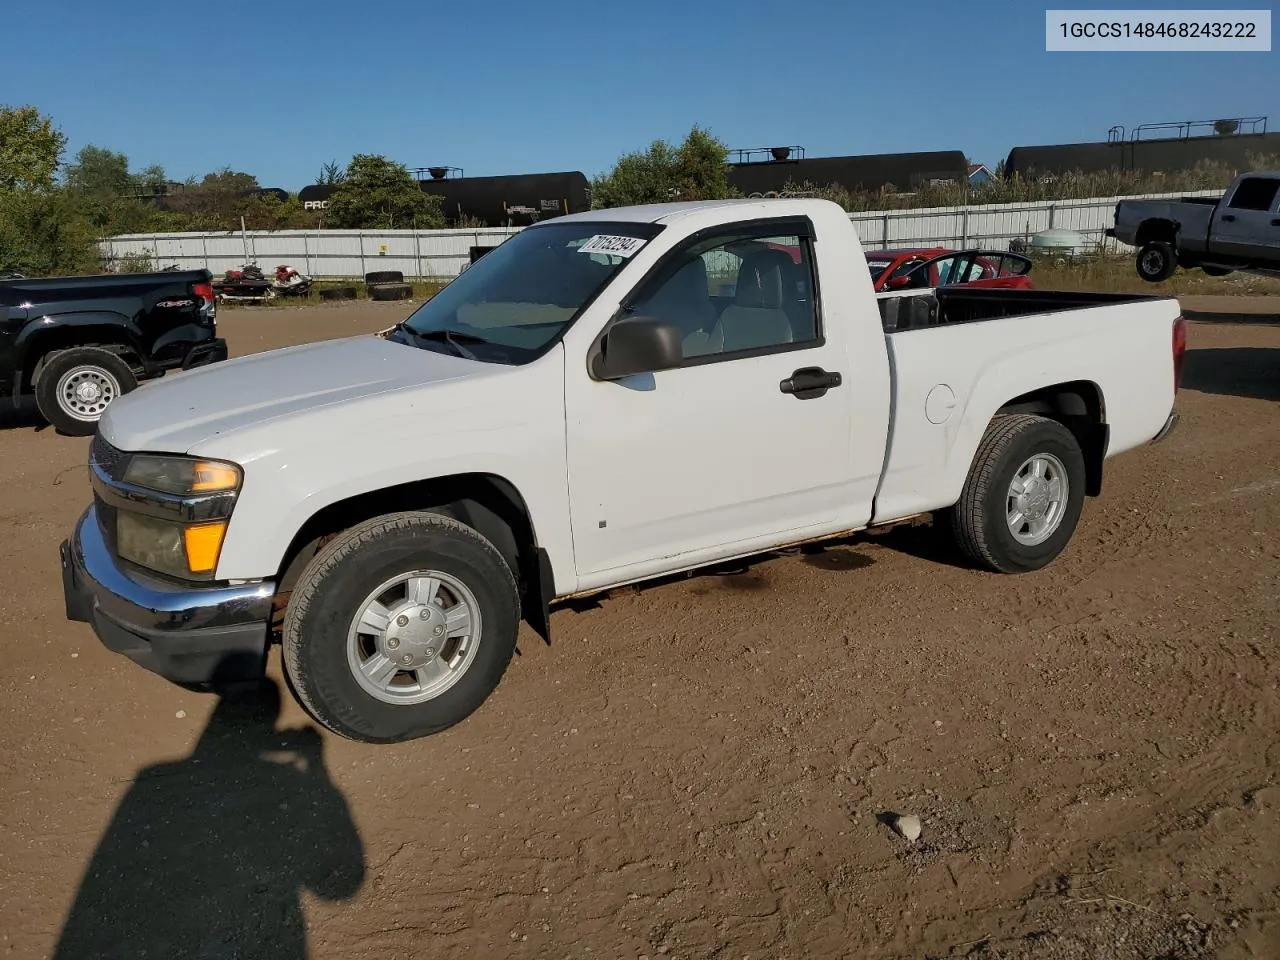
[[717, 457]]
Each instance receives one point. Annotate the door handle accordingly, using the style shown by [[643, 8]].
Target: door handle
[[808, 383], [1229, 217]]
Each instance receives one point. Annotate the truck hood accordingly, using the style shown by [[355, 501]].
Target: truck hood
[[178, 411]]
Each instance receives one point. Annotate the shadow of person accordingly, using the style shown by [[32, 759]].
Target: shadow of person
[[206, 857]]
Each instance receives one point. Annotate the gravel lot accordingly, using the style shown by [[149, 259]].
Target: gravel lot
[[704, 768]]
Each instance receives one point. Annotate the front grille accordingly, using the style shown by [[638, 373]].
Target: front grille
[[109, 460]]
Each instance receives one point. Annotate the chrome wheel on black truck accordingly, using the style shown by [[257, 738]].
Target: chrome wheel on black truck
[[400, 627], [73, 387]]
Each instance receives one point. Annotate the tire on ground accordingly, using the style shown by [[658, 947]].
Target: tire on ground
[[982, 520], [1157, 261], [338, 293], [73, 387], [383, 276], [1217, 271], [328, 601], [390, 291]]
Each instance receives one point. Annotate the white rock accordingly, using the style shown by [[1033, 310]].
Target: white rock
[[180, 714], [908, 826]]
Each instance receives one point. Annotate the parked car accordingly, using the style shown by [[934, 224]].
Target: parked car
[[940, 267], [579, 411], [1239, 230], [80, 343]]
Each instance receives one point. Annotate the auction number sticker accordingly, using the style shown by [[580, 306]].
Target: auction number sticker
[[618, 246], [1119, 31]]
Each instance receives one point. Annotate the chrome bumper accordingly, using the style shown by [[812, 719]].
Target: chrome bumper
[[193, 635]]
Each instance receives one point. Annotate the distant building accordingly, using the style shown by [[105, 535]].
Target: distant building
[[979, 175]]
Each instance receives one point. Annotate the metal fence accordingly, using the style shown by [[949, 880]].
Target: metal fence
[[443, 253]]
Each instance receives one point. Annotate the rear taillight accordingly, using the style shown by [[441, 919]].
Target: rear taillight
[[205, 292], [1179, 350]]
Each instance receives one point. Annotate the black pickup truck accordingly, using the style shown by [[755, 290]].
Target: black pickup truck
[[77, 343]]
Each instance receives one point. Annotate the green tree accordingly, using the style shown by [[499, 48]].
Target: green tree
[[694, 170], [30, 148], [46, 233], [331, 173], [377, 193], [98, 172]]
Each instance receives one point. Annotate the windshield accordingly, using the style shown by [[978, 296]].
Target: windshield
[[877, 268], [519, 297]]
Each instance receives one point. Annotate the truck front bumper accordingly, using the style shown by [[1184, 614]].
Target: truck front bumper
[[190, 635]]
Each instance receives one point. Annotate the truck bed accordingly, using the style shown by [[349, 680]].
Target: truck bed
[[951, 305]]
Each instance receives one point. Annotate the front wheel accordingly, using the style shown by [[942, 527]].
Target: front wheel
[[1157, 261], [1023, 496], [74, 387], [400, 627]]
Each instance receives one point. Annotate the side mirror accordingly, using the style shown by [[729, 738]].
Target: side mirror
[[898, 283], [637, 345]]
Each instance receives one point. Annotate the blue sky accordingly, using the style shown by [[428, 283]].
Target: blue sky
[[503, 86]]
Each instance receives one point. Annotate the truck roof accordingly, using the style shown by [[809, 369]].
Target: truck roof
[[668, 212]]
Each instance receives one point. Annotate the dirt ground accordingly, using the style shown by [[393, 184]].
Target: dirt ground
[[704, 768]]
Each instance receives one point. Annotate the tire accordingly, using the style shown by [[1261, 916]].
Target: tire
[[383, 276], [390, 291], [1217, 271], [980, 521], [66, 383], [1157, 261], [322, 645], [338, 293]]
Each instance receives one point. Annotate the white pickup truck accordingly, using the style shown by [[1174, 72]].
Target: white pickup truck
[[605, 398]]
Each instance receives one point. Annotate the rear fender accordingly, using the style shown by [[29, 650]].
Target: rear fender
[[42, 335]]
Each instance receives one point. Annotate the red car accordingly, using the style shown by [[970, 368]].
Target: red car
[[941, 267]]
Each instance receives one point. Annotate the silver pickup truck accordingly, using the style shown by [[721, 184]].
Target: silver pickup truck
[[1239, 230]]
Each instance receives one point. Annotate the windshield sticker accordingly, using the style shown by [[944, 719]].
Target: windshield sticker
[[618, 246]]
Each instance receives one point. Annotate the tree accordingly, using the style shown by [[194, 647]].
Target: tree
[[694, 170], [44, 233], [98, 172], [30, 149], [331, 173], [379, 194]]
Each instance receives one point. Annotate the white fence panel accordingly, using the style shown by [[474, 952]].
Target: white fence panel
[[332, 254]]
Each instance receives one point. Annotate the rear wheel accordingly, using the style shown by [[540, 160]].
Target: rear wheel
[[74, 387], [1217, 271], [383, 276], [1157, 261], [1023, 496], [400, 627]]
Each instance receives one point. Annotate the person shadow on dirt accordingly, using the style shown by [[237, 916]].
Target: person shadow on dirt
[[207, 856]]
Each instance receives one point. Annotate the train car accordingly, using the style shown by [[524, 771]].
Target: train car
[[903, 171], [514, 200], [1137, 152]]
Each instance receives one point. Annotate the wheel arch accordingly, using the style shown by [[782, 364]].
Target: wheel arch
[[487, 502], [1156, 229], [36, 342], [1079, 405]]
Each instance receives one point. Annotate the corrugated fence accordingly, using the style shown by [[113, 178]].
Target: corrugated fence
[[443, 253]]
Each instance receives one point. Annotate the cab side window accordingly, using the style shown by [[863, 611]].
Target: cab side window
[[737, 293]]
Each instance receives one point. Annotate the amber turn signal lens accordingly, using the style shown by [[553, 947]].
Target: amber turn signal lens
[[203, 543], [208, 476]]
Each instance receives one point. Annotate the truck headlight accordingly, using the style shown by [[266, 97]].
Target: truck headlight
[[182, 476], [180, 532]]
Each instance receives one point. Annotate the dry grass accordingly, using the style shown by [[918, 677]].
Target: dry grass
[[1118, 275]]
